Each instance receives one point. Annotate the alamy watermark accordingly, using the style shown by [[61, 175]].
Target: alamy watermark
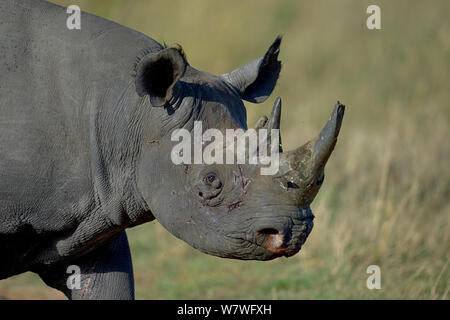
[[374, 20], [74, 280], [374, 280], [73, 22], [199, 151]]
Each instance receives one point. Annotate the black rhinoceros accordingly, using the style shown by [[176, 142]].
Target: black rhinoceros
[[86, 118]]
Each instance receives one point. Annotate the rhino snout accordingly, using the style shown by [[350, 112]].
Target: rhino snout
[[288, 239]]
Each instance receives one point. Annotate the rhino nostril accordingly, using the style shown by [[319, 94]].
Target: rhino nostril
[[273, 240]]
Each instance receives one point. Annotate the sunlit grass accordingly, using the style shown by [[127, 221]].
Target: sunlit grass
[[385, 196]]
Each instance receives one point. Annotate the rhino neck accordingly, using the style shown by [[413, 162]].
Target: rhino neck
[[116, 143]]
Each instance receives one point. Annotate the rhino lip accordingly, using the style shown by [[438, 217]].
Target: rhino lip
[[276, 238]]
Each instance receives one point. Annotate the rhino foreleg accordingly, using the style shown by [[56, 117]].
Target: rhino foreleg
[[105, 273]]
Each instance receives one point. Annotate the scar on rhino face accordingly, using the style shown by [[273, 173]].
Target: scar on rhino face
[[244, 183]]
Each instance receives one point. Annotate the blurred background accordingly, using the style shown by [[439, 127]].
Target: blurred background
[[385, 200]]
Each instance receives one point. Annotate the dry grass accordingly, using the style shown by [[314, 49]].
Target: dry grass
[[385, 197]]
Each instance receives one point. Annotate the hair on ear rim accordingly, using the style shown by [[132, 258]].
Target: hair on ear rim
[[157, 73], [148, 51]]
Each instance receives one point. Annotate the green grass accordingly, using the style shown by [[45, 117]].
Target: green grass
[[385, 199]]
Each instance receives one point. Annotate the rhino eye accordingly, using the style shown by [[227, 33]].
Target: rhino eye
[[292, 185]]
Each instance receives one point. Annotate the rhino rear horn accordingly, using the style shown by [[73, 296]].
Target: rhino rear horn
[[255, 81], [274, 121], [275, 116]]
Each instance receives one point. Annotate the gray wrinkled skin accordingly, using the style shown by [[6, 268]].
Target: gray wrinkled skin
[[85, 123]]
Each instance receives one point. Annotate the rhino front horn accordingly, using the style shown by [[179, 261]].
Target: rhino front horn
[[325, 142], [306, 163]]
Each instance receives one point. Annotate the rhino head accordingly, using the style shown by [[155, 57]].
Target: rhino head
[[228, 210]]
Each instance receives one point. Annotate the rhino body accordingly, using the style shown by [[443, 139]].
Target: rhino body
[[58, 197], [85, 123]]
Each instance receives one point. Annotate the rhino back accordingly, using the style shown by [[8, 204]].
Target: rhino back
[[52, 82]]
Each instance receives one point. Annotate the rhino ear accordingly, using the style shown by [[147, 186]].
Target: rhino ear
[[157, 75], [256, 80]]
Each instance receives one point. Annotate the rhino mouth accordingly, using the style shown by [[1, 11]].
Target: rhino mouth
[[286, 242], [276, 237], [275, 242]]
